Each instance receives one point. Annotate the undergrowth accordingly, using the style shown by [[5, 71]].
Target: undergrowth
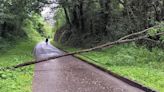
[[16, 52], [131, 61]]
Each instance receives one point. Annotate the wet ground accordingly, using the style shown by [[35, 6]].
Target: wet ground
[[69, 74]]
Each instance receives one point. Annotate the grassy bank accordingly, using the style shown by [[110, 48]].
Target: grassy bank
[[136, 63], [19, 80], [16, 52]]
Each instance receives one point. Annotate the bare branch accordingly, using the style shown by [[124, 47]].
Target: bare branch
[[137, 33], [152, 40]]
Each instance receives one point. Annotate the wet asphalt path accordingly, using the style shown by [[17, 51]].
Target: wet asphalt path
[[69, 74]]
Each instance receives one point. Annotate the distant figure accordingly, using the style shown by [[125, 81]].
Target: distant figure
[[47, 41], [43, 51]]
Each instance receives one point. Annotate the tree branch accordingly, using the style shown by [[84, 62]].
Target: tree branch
[[137, 33], [109, 44]]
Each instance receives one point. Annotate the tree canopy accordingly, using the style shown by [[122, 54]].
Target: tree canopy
[[96, 21], [14, 12]]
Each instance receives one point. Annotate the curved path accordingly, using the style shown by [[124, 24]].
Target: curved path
[[69, 74]]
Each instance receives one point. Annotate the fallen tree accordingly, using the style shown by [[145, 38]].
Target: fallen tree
[[128, 38]]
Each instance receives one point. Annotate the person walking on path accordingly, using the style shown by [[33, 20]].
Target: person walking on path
[[46, 41]]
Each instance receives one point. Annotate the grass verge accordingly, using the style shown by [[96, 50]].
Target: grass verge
[[12, 53], [19, 80], [136, 63]]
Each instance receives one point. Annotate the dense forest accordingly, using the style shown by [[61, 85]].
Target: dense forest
[[87, 23], [82, 23]]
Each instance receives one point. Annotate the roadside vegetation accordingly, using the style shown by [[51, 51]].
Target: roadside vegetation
[[19, 80], [21, 27], [19, 50], [136, 63], [89, 23], [94, 22], [129, 60]]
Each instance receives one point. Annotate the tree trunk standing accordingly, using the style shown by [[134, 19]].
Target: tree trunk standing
[[159, 10], [75, 18], [67, 17], [104, 6], [65, 5], [107, 16], [4, 25], [91, 26], [81, 16], [145, 13], [78, 16], [157, 14], [138, 14], [162, 11]]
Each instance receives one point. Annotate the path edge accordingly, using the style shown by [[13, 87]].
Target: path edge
[[124, 79]]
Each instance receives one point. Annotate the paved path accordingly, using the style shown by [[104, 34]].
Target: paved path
[[69, 74]]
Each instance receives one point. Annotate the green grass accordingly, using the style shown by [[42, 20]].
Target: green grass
[[19, 80], [16, 52], [136, 63]]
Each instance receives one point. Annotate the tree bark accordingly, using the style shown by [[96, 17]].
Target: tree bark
[[67, 17], [82, 27]]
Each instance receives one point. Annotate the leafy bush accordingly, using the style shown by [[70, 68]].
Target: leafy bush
[[37, 23]]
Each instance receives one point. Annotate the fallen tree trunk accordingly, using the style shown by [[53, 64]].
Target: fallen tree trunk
[[109, 45]]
